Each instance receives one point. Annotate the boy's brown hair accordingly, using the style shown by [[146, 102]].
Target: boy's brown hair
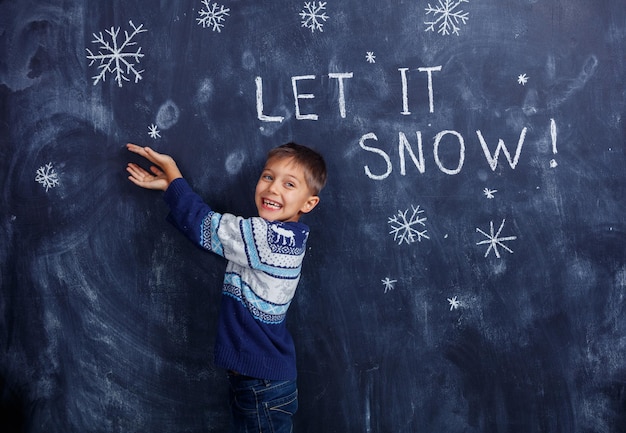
[[311, 161]]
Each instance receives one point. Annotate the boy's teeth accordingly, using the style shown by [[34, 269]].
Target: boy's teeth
[[272, 204]]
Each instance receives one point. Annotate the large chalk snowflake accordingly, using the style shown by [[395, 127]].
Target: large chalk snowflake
[[212, 16], [47, 176], [313, 16], [447, 17], [115, 57], [403, 226], [494, 240]]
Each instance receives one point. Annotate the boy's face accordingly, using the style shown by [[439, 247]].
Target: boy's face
[[282, 193]]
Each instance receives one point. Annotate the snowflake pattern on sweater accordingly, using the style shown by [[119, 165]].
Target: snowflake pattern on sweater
[[265, 260]]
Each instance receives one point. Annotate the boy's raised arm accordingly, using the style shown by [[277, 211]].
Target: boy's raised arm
[[161, 174]]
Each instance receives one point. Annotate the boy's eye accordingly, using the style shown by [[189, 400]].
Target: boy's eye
[[290, 185]]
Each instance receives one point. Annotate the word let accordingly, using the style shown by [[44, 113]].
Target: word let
[[297, 96]]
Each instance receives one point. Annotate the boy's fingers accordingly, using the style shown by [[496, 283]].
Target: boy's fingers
[[152, 155], [133, 180], [134, 148], [132, 168], [146, 152], [137, 172]]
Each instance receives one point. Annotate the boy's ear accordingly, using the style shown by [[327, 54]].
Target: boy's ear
[[310, 204]]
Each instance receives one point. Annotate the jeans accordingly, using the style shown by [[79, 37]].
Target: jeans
[[262, 406]]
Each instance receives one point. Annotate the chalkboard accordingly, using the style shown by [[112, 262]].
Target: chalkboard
[[466, 269]]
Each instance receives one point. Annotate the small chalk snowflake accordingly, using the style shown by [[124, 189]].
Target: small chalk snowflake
[[47, 176], [446, 17], [313, 16], [153, 131], [212, 16], [489, 193], [454, 303], [370, 57], [522, 79], [403, 227], [494, 240], [114, 57], [388, 284]]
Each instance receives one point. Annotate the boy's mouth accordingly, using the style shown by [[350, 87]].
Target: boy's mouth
[[271, 204]]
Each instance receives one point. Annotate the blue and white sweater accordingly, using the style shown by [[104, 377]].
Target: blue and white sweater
[[263, 269]]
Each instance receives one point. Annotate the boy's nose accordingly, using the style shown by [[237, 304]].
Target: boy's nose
[[273, 188]]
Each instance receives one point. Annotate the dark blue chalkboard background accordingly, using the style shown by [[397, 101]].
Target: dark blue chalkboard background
[[466, 269]]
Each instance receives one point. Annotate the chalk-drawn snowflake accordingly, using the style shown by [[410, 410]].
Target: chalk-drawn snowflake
[[494, 240], [454, 303], [446, 17], [212, 16], [115, 58], [388, 283], [370, 57], [153, 131], [403, 227], [522, 79], [47, 176], [489, 193], [313, 16]]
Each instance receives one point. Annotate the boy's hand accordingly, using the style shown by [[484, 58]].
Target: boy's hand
[[161, 174]]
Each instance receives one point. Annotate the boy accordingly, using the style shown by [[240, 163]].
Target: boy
[[264, 256]]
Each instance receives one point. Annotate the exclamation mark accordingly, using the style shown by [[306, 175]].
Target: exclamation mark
[[553, 162]]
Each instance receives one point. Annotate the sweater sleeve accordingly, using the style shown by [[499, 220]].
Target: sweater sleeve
[[272, 247], [187, 211]]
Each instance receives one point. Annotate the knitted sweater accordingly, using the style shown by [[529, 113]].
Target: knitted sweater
[[262, 272]]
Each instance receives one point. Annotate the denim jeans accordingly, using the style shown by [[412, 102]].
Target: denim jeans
[[262, 406]]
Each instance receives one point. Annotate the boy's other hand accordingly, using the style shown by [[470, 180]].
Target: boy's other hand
[[160, 175]]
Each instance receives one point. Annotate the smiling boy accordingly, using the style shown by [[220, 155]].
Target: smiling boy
[[283, 192], [264, 256]]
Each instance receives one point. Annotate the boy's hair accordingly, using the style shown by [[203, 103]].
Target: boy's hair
[[311, 161]]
